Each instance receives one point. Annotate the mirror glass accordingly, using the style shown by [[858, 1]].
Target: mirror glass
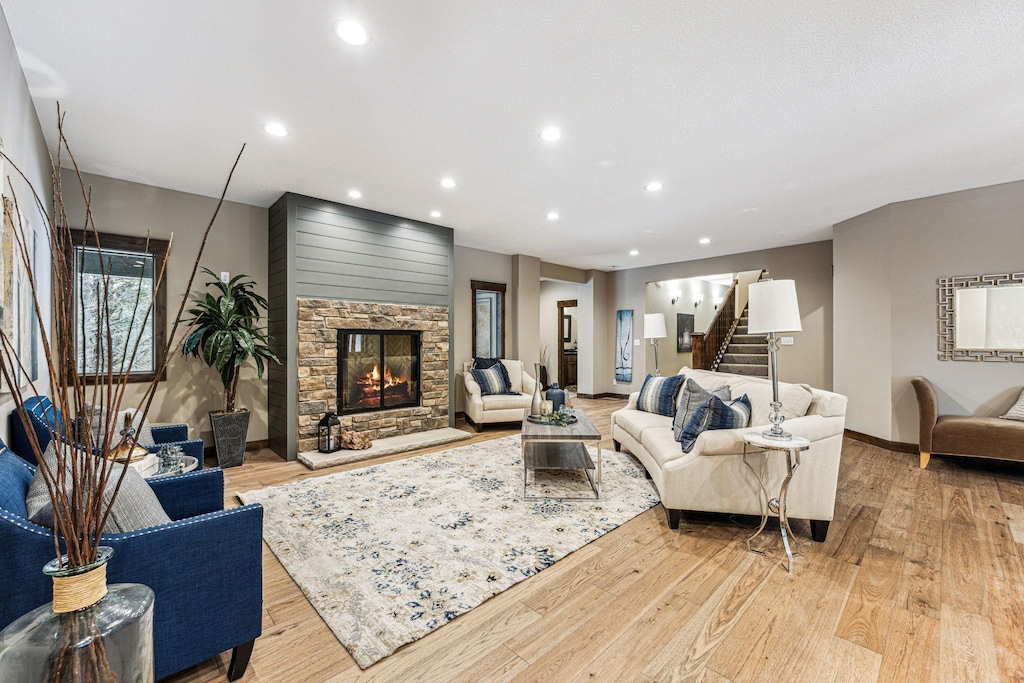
[[989, 318], [488, 319]]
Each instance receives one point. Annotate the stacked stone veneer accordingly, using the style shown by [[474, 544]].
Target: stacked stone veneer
[[319, 322]]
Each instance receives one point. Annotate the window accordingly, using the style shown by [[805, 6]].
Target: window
[[488, 319], [131, 266]]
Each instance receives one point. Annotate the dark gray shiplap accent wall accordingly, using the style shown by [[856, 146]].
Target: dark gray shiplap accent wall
[[320, 249], [282, 380]]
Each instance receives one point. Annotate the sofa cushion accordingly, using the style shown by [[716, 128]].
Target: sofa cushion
[[795, 398], [661, 445], [658, 394], [637, 422], [690, 398], [506, 401], [136, 506], [491, 380], [990, 437], [1017, 411], [15, 477], [716, 414], [707, 379]]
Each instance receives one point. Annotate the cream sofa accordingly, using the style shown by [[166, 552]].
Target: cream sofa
[[713, 478], [481, 410]]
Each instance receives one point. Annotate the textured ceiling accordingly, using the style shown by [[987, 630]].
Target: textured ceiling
[[767, 120]]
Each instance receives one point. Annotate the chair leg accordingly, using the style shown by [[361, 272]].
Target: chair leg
[[819, 530], [673, 518], [240, 660], [925, 457]]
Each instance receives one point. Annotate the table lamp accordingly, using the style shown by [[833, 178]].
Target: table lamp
[[773, 308], [654, 329]]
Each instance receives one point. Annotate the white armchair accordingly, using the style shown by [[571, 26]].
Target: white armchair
[[481, 410]]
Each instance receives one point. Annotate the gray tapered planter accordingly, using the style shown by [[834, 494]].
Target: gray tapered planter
[[229, 433]]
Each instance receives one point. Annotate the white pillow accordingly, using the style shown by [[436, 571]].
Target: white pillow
[[1017, 411]]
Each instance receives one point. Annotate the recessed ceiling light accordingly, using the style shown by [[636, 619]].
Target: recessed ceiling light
[[634, 252], [435, 214], [551, 134], [274, 128], [448, 183], [352, 32], [355, 194], [705, 240], [751, 209], [653, 186], [552, 215]]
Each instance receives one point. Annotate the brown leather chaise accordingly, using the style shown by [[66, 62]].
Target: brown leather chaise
[[979, 437]]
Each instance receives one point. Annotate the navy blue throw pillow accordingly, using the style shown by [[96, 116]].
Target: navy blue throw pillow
[[715, 414], [658, 395], [490, 380], [485, 363]]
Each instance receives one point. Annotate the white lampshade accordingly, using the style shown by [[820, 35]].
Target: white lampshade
[[654, 326], [773, 307]]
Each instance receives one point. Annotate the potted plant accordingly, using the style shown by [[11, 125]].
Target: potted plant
[[225, 333]]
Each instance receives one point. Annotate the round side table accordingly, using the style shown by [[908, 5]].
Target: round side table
[[792, 447]]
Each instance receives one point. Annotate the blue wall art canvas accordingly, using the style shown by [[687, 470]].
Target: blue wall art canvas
[[624, 346]]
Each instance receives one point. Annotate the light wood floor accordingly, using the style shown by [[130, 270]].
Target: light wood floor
[[921, 579]]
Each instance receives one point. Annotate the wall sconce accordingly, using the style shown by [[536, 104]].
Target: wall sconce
[[698, 302], [676, 294], [718, 302]]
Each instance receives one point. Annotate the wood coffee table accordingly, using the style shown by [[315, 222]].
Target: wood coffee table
[[550, 447]]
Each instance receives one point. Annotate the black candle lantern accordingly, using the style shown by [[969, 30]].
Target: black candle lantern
[[329, 434]]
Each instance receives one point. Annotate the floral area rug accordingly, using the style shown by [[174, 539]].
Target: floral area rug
[[390, 552]]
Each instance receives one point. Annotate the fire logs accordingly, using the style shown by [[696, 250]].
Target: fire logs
[[355, 441]]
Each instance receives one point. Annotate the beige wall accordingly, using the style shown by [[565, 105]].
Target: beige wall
[[237, 244], [474, 264], [810, 265], [912, 244], [23, 141], [551, 292], [659, 300]]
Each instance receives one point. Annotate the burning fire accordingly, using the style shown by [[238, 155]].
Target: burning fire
[[368, 394]]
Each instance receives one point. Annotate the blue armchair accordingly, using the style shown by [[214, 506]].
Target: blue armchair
[[205, 567], [46, 419]]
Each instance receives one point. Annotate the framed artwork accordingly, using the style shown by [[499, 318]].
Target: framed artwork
[[17, 312], [684, 332], [624, 346]]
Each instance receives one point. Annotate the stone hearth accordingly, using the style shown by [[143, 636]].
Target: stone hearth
[[317, 359]]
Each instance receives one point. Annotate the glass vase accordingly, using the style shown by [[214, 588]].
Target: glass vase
[[110, 639], [535, 403]]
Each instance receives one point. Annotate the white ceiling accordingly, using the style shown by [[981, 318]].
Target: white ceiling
[[808, 112]]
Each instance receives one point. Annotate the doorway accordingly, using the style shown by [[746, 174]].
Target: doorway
[[568, 334]]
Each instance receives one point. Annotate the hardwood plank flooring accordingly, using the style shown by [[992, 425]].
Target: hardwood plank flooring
[[921, 579]]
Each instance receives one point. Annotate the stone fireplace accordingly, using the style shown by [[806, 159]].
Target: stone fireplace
[[383, 368]]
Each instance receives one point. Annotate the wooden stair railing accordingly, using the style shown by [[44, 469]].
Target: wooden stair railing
[[709, 346]]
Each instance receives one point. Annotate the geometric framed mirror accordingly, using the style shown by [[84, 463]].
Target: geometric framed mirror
[[981, 318]]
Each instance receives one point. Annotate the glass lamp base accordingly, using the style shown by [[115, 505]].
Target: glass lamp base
[[777, 436]]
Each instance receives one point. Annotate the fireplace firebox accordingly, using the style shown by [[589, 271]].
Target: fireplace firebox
[[377, 370]]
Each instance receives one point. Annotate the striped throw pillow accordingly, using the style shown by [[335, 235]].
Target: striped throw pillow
[[692, 397], [490, 380], [658, 395], [716, 414], [1017, 411]]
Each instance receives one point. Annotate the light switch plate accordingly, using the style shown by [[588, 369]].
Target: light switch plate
[[786, 341], [225, 276], [636, 342]]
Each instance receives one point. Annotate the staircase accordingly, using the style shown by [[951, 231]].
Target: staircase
[[745, 354]]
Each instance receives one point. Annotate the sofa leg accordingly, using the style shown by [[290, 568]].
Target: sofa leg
[[617, 445], [925, 457], [819, 530], [646, 473], [673, 518], [240, 660], [479, 427]]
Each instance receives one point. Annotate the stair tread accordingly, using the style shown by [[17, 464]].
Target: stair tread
[[744, 369], [745, 358], [748, 339]]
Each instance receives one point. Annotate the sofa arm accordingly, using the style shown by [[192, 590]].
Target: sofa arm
[[633, 398], [196, 615], [169, 433], [472, 388], [928, 412], [730, 441], [190, 494], [529, 383]]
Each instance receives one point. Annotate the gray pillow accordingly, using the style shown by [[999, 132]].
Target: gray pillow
[[143, 430], [690, 398], [136, 506]]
